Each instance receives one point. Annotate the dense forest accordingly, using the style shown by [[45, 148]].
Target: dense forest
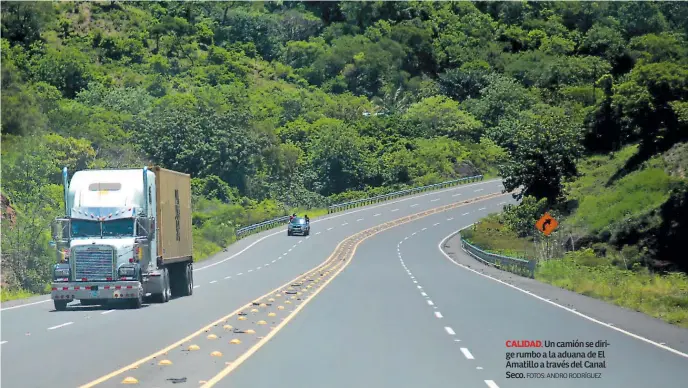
[[272, 106]]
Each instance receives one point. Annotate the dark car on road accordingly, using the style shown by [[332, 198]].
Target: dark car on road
[[299, 225]]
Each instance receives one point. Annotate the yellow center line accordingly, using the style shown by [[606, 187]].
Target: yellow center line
[[392, 224], [325, 264]]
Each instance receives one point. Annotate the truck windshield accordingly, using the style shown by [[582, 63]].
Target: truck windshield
[[123, 227], [81, 228]]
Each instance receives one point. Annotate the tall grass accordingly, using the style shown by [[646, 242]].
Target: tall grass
[[661, 296]]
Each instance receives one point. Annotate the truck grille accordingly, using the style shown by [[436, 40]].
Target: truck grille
[[93, 263]]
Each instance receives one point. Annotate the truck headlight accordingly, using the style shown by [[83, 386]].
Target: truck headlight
[[127, 271], [61, 272]]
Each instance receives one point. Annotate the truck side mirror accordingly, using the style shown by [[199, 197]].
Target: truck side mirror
[[60, 229], [145, 227]]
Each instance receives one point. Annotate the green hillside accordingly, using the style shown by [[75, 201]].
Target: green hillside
[[274, 106]]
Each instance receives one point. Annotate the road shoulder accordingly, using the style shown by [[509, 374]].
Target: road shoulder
[[629, 320]]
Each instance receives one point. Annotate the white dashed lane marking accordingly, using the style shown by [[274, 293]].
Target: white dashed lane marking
[[259, 267], [274, 261], [482, 208], [240, 273], [478, 190], [424, 229], [196, 286], [329, 229], [375, 215], [434, 200], [3, 342], [228, 277], [465, 214], [345, 224], [214, 281], [394, 210], [317, 233], [449, 330], [456, 195], [250, 270], [415, 204], [59, 326], [450, 218], [467, 354], [435, 224], [360, 219]]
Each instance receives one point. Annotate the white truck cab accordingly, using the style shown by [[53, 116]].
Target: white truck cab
[[110, 242]]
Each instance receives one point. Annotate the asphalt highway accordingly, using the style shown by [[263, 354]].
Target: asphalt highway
[[369, 299], [45, 348]]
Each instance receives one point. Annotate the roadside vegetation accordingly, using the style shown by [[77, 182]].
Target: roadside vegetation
[[275, 106], [591, 253]]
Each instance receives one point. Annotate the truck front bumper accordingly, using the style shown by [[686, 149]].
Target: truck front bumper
[[96, 290]]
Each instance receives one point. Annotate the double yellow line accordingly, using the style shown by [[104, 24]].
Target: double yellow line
[[344, 247]]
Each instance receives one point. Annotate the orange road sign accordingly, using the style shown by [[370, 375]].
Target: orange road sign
[[546, 224]]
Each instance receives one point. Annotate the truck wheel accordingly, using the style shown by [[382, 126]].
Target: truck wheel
[[189, 281], [61, 305], [164, 295], [136, 303], [186, 281]]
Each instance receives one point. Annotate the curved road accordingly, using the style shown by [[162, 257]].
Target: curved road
[[73, 347], [394, 311]]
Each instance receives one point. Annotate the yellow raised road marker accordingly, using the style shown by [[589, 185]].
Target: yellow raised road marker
[[261, 323], [271, 300], [216, 354], [130, 380], [343, 263], [254, 310], [242, 318], [165, 362], [227, 327], [235, 341], [194, 347], [271, 314], [263, 305], [250, 331], [280, 307], [212, 336]]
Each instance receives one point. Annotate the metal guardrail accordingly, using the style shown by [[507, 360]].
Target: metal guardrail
[[269, 224], [259, 227], [402, 193], [518, 266]]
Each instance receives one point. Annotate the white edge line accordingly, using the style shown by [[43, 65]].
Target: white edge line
[[367, 208], [25, 305], [572, 311]]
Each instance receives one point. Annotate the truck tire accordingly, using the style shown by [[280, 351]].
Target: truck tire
[[186, 286], [164, 296], [136, 303], [182, 280], [61, 305]]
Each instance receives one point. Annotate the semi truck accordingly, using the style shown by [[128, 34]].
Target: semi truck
[[126, 236]]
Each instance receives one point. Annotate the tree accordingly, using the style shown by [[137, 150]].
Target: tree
[[545, 149], [441, 116]]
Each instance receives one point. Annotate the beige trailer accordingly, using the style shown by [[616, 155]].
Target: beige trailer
[[173, 192]]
